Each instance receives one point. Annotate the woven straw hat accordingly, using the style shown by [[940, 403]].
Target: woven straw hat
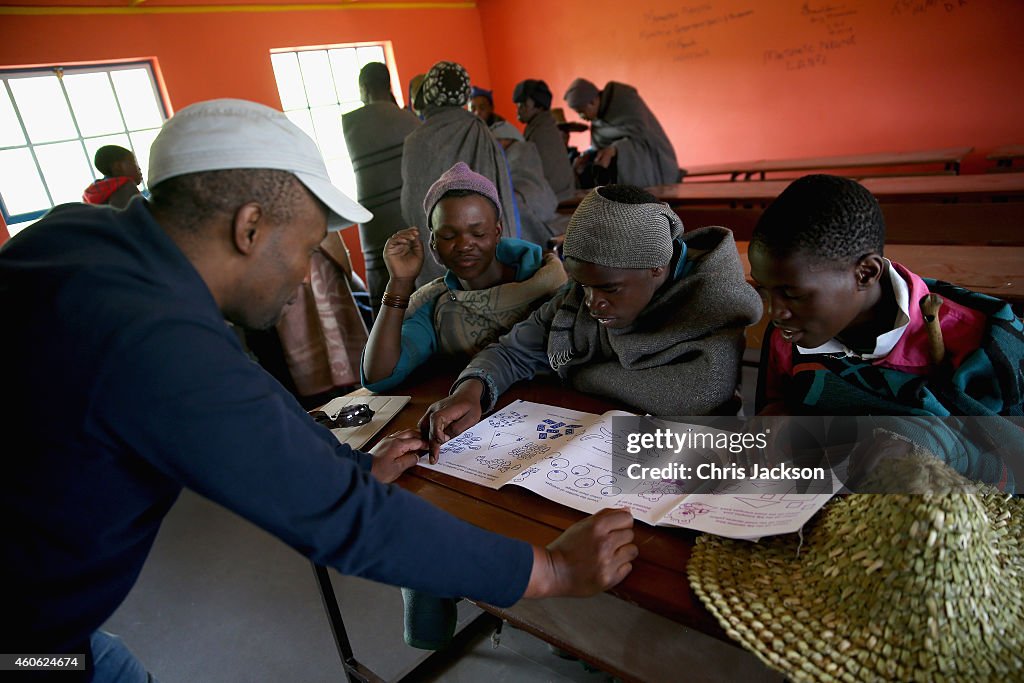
[[921, 587]]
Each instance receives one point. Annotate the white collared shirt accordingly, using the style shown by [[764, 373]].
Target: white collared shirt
[[885, 342]]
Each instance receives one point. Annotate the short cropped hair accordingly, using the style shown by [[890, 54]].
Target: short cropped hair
[[627, 194], [107, 156], [190, 198], [375, 77], [825, 217]]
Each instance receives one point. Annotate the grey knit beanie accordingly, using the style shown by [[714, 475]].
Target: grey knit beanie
[[619, 235]]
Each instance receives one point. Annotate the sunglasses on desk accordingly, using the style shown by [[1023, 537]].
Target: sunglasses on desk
[[350, 416]]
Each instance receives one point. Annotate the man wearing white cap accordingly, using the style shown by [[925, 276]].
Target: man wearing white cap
[[127, 386]]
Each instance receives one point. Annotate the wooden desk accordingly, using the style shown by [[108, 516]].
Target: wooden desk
[[949, 158], [983, 209], [932, 188], [996, 271], [890, 189], [658, 581], [732, 169], [1005, 156]]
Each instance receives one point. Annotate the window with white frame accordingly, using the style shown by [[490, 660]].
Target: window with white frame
[[52, 121], [317, 86]]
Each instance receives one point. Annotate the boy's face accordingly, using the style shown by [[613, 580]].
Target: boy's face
[[811, 301], [465, 234], [615, 296], [526, 110], [588, 112], [128, 166], [482, 107]]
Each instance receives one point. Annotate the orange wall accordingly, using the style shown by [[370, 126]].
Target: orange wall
[[730, 80], [204, 56], [726, 82]]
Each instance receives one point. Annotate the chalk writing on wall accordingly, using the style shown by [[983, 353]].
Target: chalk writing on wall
[[915, 7], [835, 27], [682, 32]]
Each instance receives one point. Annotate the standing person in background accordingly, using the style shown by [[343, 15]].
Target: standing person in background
[[375, 134], [481, 103], [533, 107], [121, 177], [414, 87], [450, 134], [628, 145], [538, 205]]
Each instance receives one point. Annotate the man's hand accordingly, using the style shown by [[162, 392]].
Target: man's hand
[[604, 156], [396, 454], [403, 254], [589, 557], [451, 416]]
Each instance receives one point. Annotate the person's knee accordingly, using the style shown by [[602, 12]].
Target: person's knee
[[113, 662]]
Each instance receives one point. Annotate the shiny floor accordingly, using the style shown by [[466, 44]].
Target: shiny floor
[[220, 600]]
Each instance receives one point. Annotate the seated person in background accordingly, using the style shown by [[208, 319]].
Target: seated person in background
[[628, 145], [121, 177], [481, 103], [652, 318], [491, 283], [538, 206], [849, 335], [415, 83], [533, 107]]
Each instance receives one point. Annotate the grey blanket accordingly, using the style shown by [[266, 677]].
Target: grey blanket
[[542, 130], [645, 155], [682, 356], [536, 200], [449, 135]]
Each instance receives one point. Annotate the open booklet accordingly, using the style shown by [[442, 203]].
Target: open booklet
[[567, 456]]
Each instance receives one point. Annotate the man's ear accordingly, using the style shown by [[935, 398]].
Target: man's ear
[[247, 227], [869, 270]]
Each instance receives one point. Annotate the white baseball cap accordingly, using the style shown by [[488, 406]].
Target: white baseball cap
[[218, 135]]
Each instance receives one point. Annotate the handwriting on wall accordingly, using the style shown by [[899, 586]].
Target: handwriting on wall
[[682, 32], [832, 29], [915, 7]]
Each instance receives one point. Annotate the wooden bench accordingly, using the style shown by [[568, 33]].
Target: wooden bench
[[982, 209], [1005, 156], [948, 159]]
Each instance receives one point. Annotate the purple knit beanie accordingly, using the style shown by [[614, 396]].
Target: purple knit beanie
[[460, 177]]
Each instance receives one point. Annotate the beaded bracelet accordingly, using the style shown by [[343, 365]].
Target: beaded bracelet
[[394, 300]]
